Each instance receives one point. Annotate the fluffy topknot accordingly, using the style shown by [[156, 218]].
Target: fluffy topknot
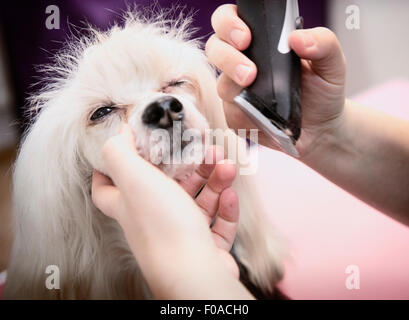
[[174, 22]]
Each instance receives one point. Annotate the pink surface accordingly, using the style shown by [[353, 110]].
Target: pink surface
[[327, 229]]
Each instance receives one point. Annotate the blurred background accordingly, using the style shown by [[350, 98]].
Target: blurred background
[[376, 54]]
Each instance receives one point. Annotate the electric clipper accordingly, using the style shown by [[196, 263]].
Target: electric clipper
[[273, 101]]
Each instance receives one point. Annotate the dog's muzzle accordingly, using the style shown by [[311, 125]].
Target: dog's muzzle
[[163, 112]]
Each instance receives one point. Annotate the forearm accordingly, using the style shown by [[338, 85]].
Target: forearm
[[196, 273], [178, 256], [187, 270], [367, 154]]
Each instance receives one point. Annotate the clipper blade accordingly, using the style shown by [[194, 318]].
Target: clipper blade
[[282, 140]]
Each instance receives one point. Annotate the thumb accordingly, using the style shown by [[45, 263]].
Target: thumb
[[125, 167], [119, 153], [322, 48], [105, 196], [128, 137]]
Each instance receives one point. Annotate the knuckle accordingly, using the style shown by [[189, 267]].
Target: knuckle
[[226, 19], [230, 21], [329, 35], [224, 61], [221, 88], [209, 45], [227, 89], [227, 10], [232, 198], [214, 17]]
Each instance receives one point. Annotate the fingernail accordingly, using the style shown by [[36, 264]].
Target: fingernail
[[308, 40], [242, 73], [237, 37]]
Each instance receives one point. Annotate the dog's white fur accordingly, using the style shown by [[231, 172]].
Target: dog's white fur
[[56, 222]]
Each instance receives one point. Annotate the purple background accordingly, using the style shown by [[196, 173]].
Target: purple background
[[30, 43]]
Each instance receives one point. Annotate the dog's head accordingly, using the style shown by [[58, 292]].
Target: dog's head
[[145, 74]]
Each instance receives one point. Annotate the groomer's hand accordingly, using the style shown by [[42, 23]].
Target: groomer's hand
[[323, 75], [166, 230], [211, 187]]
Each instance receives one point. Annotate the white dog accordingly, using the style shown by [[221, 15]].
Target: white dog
[[124, 75]]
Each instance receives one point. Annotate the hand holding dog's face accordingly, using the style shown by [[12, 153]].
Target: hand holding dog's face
[[166, 221]]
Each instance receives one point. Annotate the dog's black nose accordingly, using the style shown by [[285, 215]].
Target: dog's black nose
[[162, 112]]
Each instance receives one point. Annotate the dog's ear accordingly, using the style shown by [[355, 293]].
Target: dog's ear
[[51, 207], [258, 246]]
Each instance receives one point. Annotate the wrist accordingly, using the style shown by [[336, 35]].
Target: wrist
[[184, 268], [185, 271], [199, 274], [332, 141]]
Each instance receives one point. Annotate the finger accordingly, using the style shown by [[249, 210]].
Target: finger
[[227, 88], [236, 118], [116, 146], [321, 46], [104, 195], [225, 227], [221, 178], [119, 154], [230, 28], [129, 172], [199, 178], [231, 61]]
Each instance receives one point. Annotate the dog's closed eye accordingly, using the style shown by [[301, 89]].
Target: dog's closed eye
[[176, 83], [173, 85]]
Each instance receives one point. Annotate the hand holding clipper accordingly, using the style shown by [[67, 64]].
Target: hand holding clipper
[[273, 100]]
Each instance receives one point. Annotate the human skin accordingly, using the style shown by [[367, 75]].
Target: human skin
[[179, 255], [363, 151]]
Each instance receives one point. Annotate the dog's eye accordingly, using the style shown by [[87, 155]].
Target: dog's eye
[[176, 83], [173, 84], [102, 112]]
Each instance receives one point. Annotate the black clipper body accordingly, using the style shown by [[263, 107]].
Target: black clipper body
[[273, 100]]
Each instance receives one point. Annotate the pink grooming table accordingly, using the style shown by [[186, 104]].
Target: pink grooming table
[[328, 230]]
